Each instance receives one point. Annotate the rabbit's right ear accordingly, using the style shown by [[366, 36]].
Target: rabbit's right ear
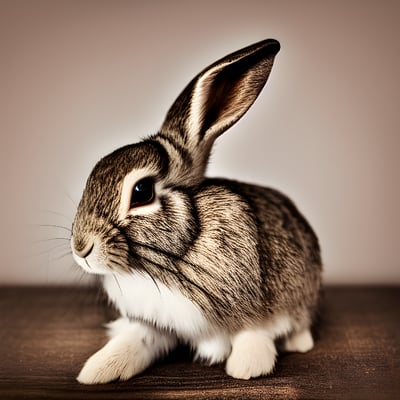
[[213, 101]]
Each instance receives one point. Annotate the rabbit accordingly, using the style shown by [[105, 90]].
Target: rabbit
[[226, 267]]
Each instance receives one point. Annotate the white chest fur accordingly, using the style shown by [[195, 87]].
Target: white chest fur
[[138, 296]]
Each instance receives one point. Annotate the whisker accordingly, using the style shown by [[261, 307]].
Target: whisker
[[152, 278], [61, 256], [117, 282], [69, 219], [72, 201], [115, 260], [87, 263], [55, 226], [60, 245], [79, 274], [51, 239], [50, 250]]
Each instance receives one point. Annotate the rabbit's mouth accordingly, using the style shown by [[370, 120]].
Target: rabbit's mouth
[[94, 258], [87, 256]]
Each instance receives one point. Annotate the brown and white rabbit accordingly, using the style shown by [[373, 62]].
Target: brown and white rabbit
[[224, 266]]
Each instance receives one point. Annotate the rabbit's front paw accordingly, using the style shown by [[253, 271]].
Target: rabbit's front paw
[[253, 354], [131, 350], [116, 360]]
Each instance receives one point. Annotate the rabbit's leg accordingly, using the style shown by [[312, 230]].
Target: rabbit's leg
[[253, 354], [213, 350], [299, 341], [132, 348]]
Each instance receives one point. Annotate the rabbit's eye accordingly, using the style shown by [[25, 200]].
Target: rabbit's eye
[[142, 193]]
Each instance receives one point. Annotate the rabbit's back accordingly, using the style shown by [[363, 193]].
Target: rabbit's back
[[267, 251]]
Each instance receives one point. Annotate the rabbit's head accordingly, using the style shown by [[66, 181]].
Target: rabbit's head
[[137, 209]]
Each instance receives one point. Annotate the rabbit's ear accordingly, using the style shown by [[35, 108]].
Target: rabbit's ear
[[216, 98]]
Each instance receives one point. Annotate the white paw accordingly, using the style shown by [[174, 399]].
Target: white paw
[[213, 350], [127, 354], [253, 354], [115, 360], [299, 342]]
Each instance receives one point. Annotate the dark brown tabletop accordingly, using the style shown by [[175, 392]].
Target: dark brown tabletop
[[46, 334]]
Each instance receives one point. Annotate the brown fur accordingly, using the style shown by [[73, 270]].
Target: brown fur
[[240, 252]]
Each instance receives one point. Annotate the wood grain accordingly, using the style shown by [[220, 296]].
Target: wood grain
[[46, 334]]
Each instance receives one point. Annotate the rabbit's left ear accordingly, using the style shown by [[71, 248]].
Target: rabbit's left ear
[[216, 98]]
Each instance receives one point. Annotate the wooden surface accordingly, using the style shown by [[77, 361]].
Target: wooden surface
[[46, 334]]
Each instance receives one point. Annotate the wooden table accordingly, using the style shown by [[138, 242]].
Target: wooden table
[[46, 334]]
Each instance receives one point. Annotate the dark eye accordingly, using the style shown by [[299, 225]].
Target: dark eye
[[142, 193]]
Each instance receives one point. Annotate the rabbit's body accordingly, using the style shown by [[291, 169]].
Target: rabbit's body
[[270, 260], [224, 266]]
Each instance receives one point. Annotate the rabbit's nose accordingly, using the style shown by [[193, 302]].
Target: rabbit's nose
[[82, 250]]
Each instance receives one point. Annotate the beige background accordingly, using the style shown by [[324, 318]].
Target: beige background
[[80, 78]]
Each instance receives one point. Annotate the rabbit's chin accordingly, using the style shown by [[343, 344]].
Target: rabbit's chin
[[139, 297]]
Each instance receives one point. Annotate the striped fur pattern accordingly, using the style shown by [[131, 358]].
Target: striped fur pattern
[[240, 256]]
